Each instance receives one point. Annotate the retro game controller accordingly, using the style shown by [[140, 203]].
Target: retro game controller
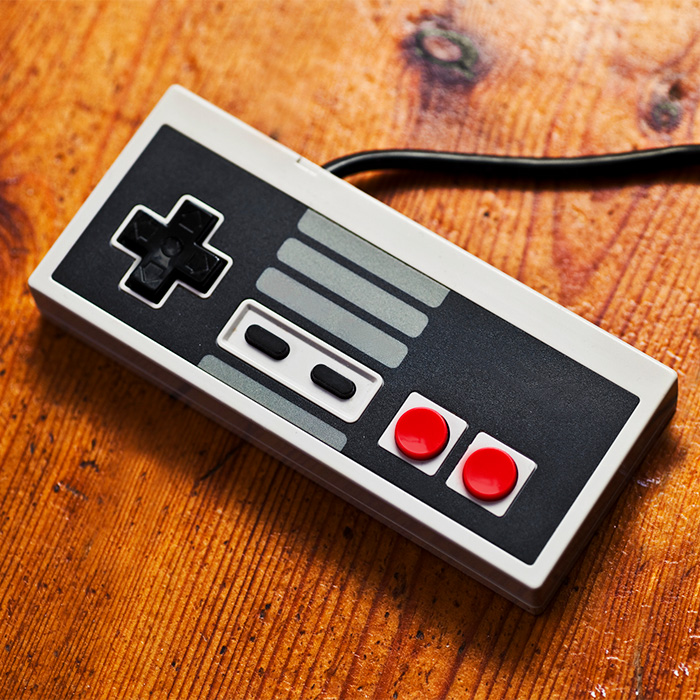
[[470, 413]]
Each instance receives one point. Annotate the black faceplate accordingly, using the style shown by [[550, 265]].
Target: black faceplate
[[498, 378]]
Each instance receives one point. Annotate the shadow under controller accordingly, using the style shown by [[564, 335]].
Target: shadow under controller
[[470, 413]]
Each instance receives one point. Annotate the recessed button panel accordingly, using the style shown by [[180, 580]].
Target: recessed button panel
[[313, 369]]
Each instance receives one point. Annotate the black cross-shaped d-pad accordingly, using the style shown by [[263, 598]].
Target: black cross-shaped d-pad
[[171, 250]]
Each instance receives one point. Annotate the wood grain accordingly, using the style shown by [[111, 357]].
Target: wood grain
[[146, 552]]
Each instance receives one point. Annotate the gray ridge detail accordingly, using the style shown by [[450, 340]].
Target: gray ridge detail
[[334, 318], [353, 288], [372, 259], [273, 401]]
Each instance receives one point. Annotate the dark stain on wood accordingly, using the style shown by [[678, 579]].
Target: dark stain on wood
[[444, 53], [665, 115], [15, 228], [89, 463], [70, 489], [664, 111], [227, 458]]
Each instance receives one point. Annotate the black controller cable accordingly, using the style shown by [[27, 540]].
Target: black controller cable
[[613, 165]]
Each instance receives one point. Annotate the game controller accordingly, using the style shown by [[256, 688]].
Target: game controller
[[470, 413]]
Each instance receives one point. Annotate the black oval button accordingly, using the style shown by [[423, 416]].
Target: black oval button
[[265, 341], [333, 381]]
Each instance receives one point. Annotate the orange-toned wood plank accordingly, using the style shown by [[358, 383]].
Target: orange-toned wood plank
[[145, 552]]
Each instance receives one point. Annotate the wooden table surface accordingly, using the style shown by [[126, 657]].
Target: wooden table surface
[[145, 552]]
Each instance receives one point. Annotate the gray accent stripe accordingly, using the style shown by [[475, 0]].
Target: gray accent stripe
[[355, 289], [372, 259], [274, 402], [333, 318]]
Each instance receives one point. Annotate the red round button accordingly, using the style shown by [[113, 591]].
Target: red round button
[[421, 433], [489, 474]]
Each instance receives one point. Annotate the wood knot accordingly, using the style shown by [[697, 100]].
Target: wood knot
[[664, 113], [447, 48], [444, 53]]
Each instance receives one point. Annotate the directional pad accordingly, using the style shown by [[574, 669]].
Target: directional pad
[[171, 250]]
